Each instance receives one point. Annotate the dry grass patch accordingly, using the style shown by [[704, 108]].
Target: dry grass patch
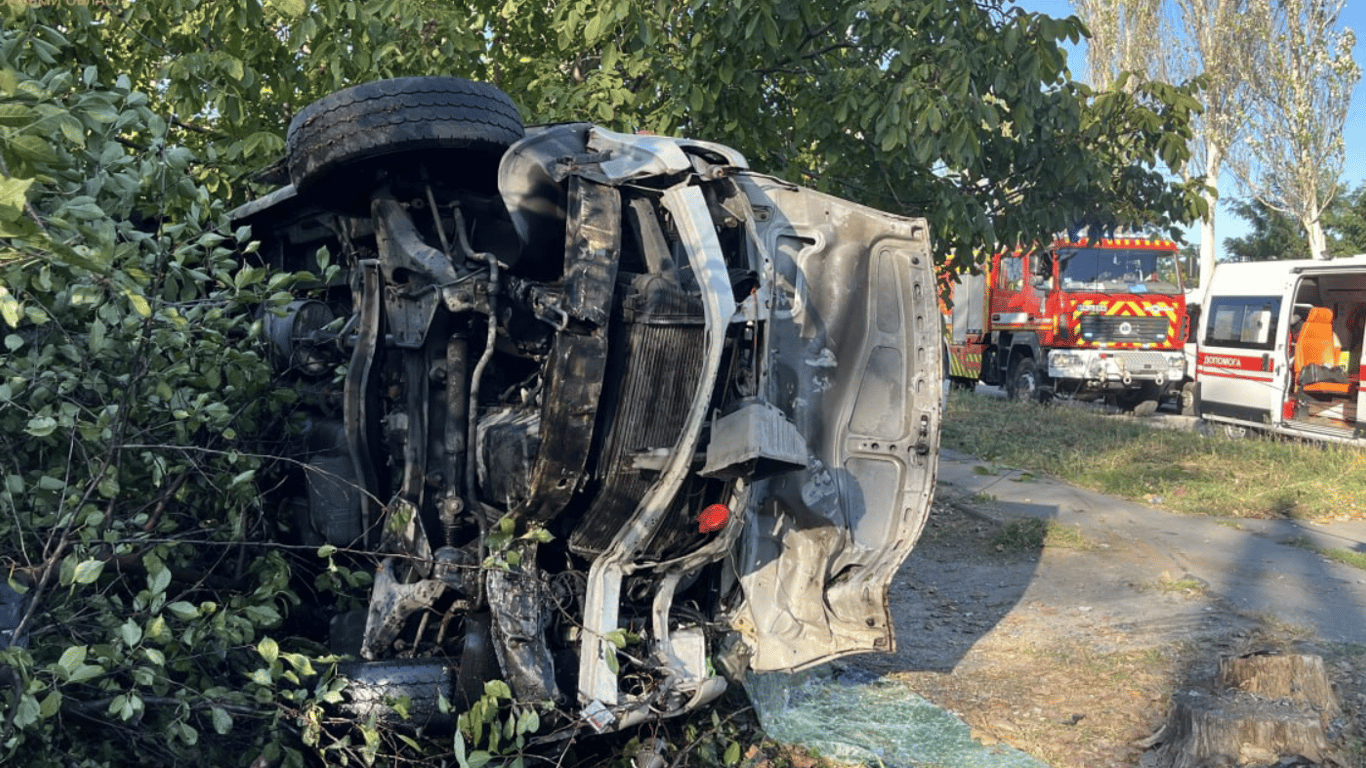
[[1181, 471]]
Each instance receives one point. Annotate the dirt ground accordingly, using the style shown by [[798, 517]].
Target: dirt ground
[[1072, 652]]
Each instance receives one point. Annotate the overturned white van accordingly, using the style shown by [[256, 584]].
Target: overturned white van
[[1280, 348]]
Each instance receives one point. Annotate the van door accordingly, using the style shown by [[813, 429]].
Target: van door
[[1241, 362], [1361, 393]]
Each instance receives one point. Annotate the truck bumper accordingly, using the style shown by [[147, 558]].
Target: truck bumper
[[1107, 368]]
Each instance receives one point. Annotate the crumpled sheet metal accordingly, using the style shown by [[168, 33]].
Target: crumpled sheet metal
[[871, 721]]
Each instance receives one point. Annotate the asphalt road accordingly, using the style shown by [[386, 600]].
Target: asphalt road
[[1249, 564]]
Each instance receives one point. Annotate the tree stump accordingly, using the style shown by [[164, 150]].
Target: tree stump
[[1264, 710], [1299, 678]]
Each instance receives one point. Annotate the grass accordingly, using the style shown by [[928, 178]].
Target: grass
[[1344, 556], [1187, 471], [1031, 534], [1184, 586]]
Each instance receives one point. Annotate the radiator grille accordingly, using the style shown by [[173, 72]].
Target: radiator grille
[[1120, 329], [662, 365]]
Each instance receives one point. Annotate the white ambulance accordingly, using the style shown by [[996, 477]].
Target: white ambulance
[[1280, 348]]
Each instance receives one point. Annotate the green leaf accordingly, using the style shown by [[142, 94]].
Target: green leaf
[[14, 192], [140, 304], [10, 309], [41, 426], [732, 756], [269, 649], [158, 579], [27, 712], [130, 633], [108, 486], [529, 722], [183, 610], [222, 721], [291, 8], [96, 338], [52, 703], [72, 129], [72, 658], [85, 672], [32, 148], [16, 114], [87, 571], [125, 705], [497, 689]]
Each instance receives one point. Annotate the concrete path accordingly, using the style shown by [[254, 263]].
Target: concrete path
[[1248, 564]]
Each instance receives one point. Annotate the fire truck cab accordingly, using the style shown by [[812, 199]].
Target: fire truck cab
[[1280, 348], [1090, 318]]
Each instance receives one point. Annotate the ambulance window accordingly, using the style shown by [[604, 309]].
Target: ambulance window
[[1246, 322]]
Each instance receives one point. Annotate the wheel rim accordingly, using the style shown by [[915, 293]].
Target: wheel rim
[[1026, 384]]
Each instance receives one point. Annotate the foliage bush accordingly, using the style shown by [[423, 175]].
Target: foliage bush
[[133, 387]]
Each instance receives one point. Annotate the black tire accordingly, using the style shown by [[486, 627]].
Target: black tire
[[1023, 383], [1145, 408], [373, 685], [1141, 401], [455, 128], [1188, 399]]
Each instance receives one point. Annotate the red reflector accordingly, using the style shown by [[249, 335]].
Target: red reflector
[[713, 518]]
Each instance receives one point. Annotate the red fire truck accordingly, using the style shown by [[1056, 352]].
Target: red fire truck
[[1092, 318]]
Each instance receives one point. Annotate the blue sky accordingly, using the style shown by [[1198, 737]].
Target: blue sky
[[1354, 166]]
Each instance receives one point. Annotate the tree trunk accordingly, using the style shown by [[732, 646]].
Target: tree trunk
[[1263, 708], [1213, 161], [1299, 678], [1318, 242]]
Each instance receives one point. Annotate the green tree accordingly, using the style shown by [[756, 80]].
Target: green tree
[[962, 112], [1345, 221], [1210, 38], [1274, 235], [1302, 88]]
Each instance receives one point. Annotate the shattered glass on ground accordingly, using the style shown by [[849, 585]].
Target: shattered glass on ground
[[860, 718]]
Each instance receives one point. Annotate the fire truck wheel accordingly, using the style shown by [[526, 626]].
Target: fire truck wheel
[[1145, 408], [1188, 399], [1023, 383]]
